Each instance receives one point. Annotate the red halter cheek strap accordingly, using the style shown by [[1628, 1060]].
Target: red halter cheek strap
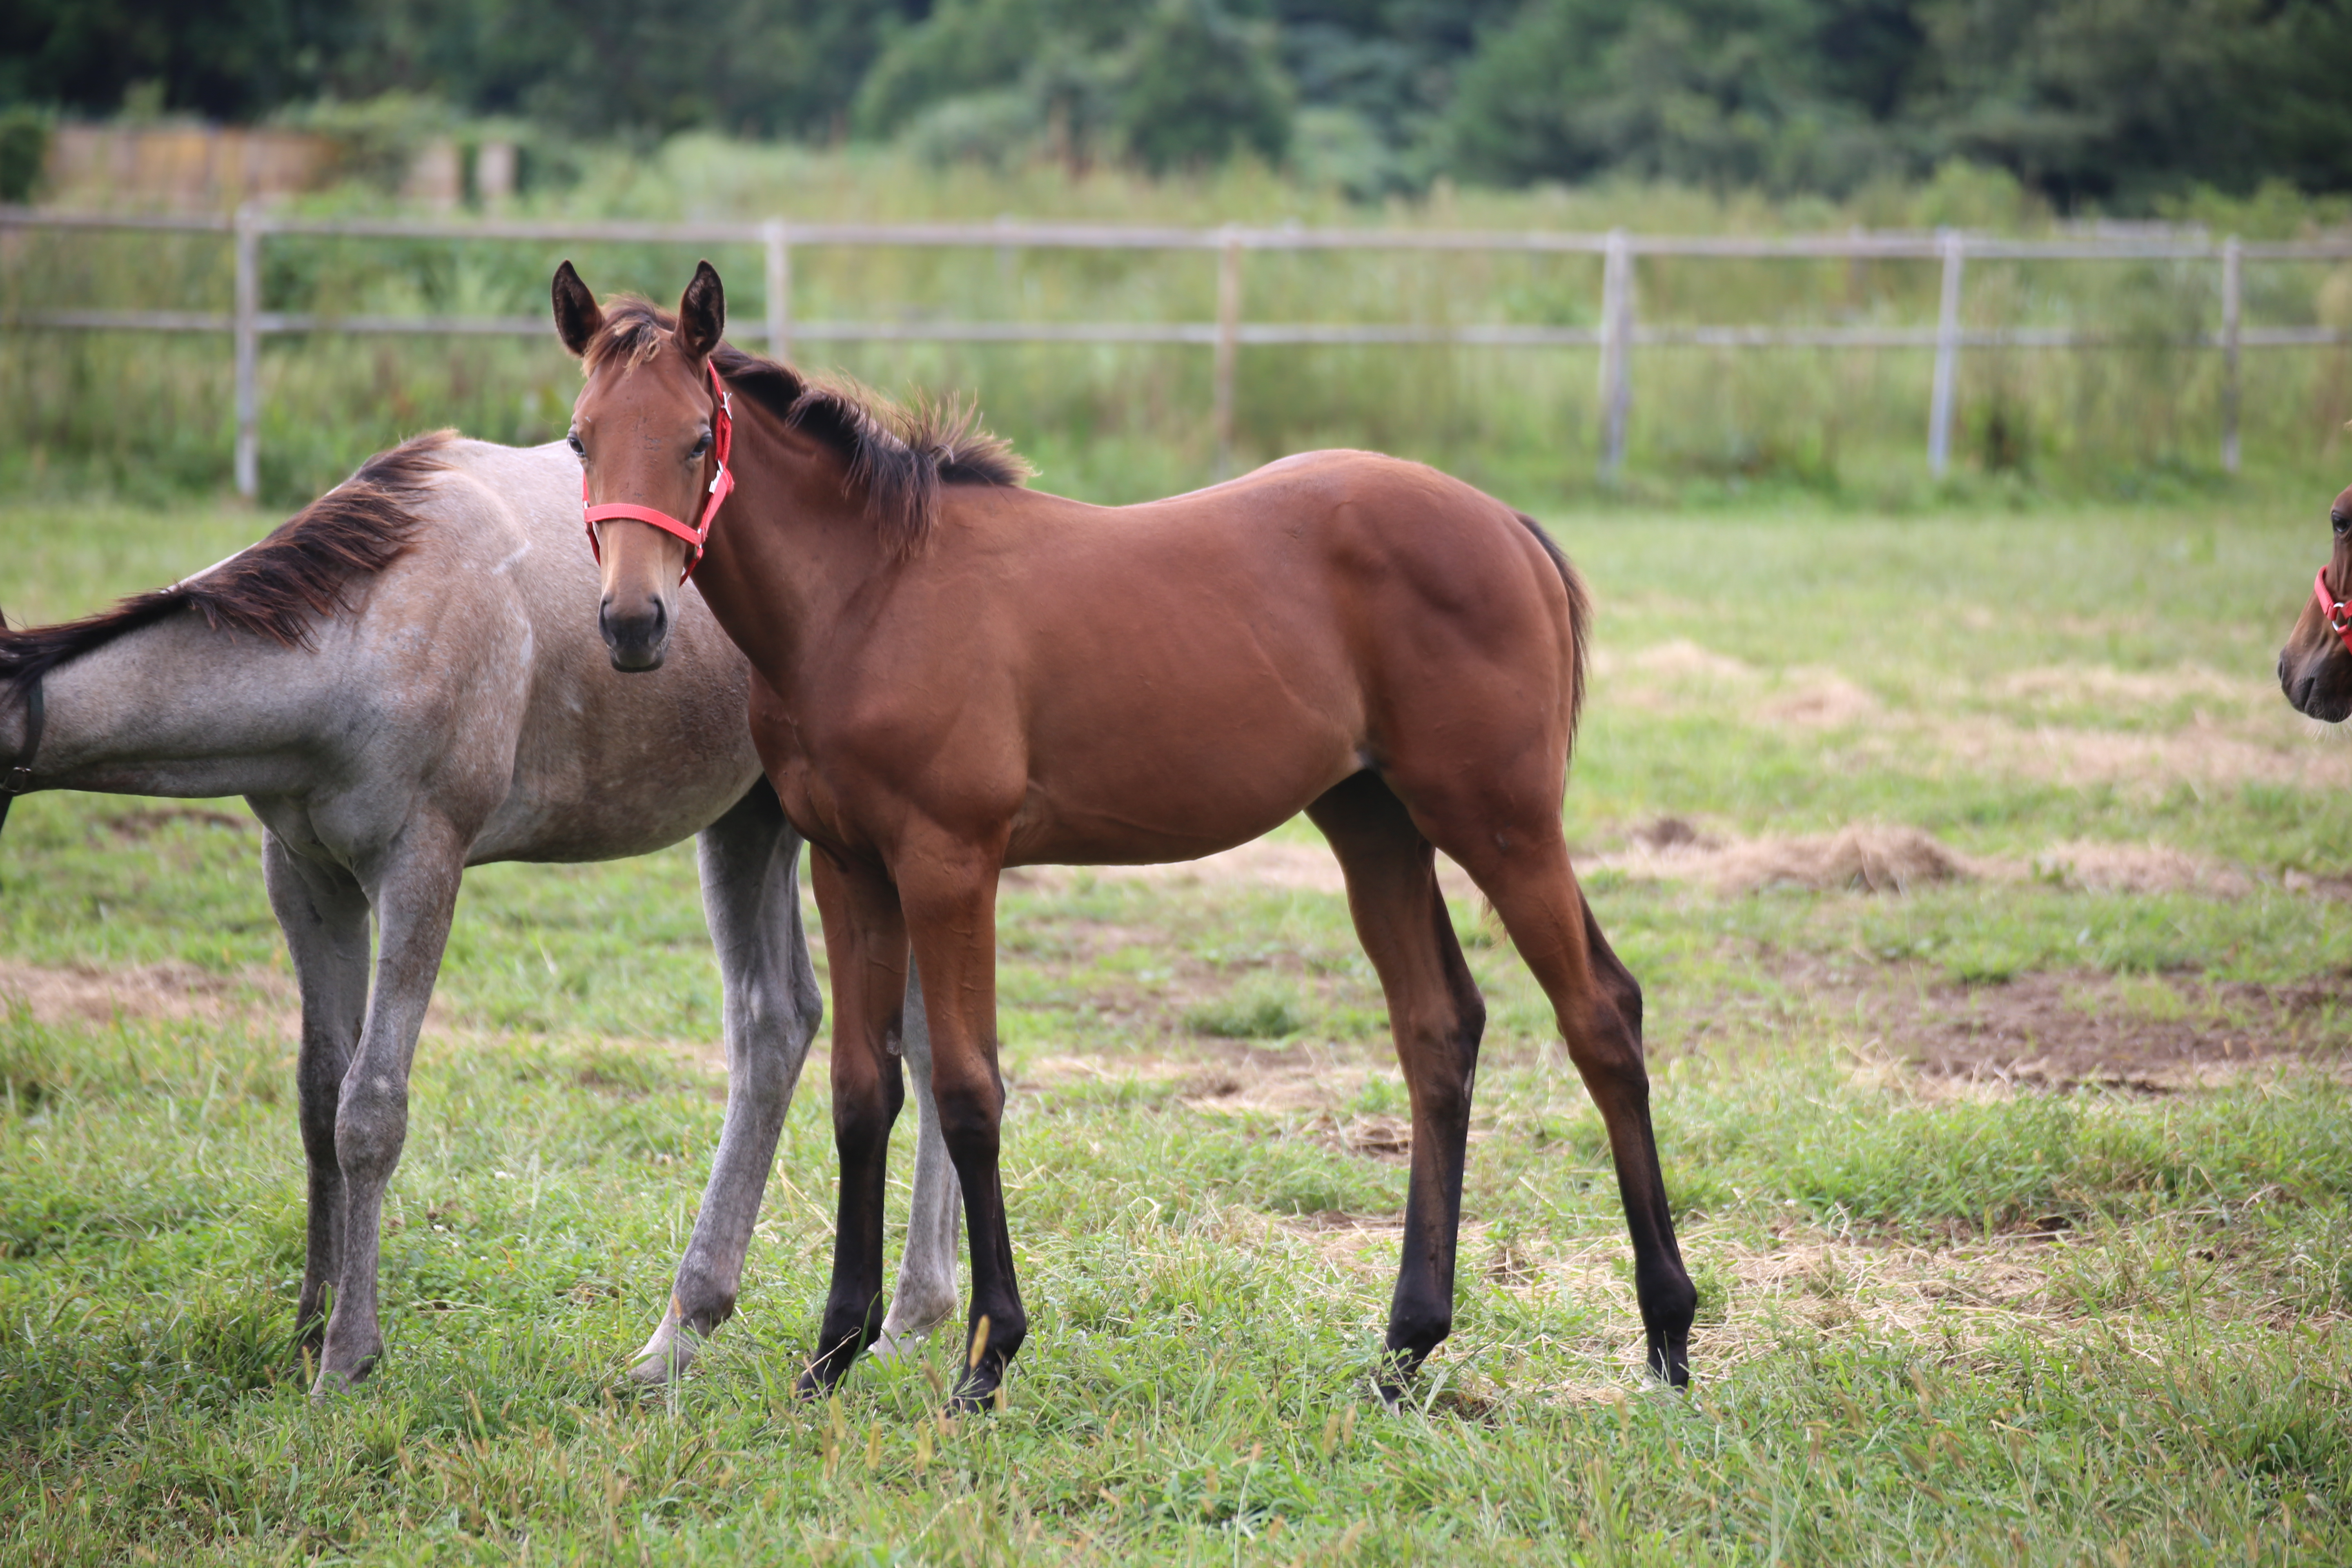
[[723, 484], [2333, 610]]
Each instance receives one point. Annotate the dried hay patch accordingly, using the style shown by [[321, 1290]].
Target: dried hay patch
[[1265, 863], [2148, 868], [1961, 1298], [1819, 700], [2104, 685], [1867, 856], [1889, 858], [2200, 753]]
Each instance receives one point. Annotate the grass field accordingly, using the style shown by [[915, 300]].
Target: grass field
[[2019, 1189]]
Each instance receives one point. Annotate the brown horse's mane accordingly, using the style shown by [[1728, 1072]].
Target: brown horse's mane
[[277, 588], [898, 457]]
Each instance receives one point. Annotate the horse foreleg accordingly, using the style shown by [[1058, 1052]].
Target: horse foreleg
[[324, 916], [926, 1296], [414, 896], [749, 861], [866, 948], [949, 893]]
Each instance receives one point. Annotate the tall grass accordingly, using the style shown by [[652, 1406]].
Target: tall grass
[[142, 415]]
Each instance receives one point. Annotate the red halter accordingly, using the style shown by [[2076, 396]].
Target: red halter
[[723, 484], [2333, 610]]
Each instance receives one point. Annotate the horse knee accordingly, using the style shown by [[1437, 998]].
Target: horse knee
[[371, 1125], [1607, 1050], [971, 1109], [863, 1115]]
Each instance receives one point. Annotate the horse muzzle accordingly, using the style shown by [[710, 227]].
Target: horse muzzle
[[637, 639]]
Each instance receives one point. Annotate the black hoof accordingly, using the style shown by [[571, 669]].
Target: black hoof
[[1670, 1358], [1394, 1380]]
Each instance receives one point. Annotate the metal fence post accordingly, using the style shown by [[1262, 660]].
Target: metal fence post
[[1229, 342], [2233, 258], [246, 330], [779, 288], [1616, 350], [1947, 354]]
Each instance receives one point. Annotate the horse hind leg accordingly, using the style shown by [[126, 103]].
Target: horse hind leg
[[413, 897], [1438, 1019], [1598, 1005], [324, 915]]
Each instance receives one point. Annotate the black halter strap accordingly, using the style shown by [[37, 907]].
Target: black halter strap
[[17, 778]]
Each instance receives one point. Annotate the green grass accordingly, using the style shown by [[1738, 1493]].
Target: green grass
[[1941, 1319]]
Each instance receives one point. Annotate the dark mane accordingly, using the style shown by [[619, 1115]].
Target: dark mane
[[898, 458], [277, 589]]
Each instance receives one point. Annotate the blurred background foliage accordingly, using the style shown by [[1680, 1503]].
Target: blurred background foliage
[[2115, 103], [1663, 116]]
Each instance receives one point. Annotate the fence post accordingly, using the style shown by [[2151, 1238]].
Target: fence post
[[246, 330], [1229, 341], [779, 288], [2233, 258], [1616, 350], [1948, 355]]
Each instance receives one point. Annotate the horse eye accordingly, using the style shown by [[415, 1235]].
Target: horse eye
[[571, 439], [2342, 523], [701, 446]]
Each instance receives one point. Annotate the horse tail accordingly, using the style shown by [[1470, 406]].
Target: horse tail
[[1579, 619], [277, 588]]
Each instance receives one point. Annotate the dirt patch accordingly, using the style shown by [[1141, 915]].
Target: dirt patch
[[2152, 1033], [85, 994], [142, 823]]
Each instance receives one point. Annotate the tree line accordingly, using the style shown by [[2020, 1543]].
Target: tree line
[[2111, 103]]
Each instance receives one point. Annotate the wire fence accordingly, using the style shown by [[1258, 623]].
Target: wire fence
[[1618, 332]]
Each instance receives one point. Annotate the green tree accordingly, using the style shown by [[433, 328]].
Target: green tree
[[1197, 86]]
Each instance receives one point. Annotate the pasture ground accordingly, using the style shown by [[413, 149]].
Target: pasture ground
[[1993, 911]]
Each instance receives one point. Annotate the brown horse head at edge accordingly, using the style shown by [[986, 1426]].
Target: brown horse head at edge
[[2315, 668]]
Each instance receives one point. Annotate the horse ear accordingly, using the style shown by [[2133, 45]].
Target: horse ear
[[577, 319], [701, 312]]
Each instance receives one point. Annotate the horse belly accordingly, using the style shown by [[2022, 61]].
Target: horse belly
[[1179, 780]]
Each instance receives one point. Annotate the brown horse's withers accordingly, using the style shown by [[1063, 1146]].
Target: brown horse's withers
[[955, 675], [2315, 668]]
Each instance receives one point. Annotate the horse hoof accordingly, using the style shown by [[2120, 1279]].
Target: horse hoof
[[333, 1380]]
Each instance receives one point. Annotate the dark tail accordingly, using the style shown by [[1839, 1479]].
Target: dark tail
[[1580, 618]]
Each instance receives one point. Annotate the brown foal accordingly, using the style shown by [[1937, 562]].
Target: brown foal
[[954, 673]]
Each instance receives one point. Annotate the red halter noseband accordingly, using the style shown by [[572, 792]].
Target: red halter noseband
[[723, 484], [2333, 610]]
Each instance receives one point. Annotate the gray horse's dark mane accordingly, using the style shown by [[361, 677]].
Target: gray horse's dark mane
[[277, 589], [898, 458]]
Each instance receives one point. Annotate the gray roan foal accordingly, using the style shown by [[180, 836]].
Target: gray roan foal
[[405, 681]]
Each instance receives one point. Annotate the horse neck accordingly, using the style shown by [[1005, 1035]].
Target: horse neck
[[791, 551], [176, 709]]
